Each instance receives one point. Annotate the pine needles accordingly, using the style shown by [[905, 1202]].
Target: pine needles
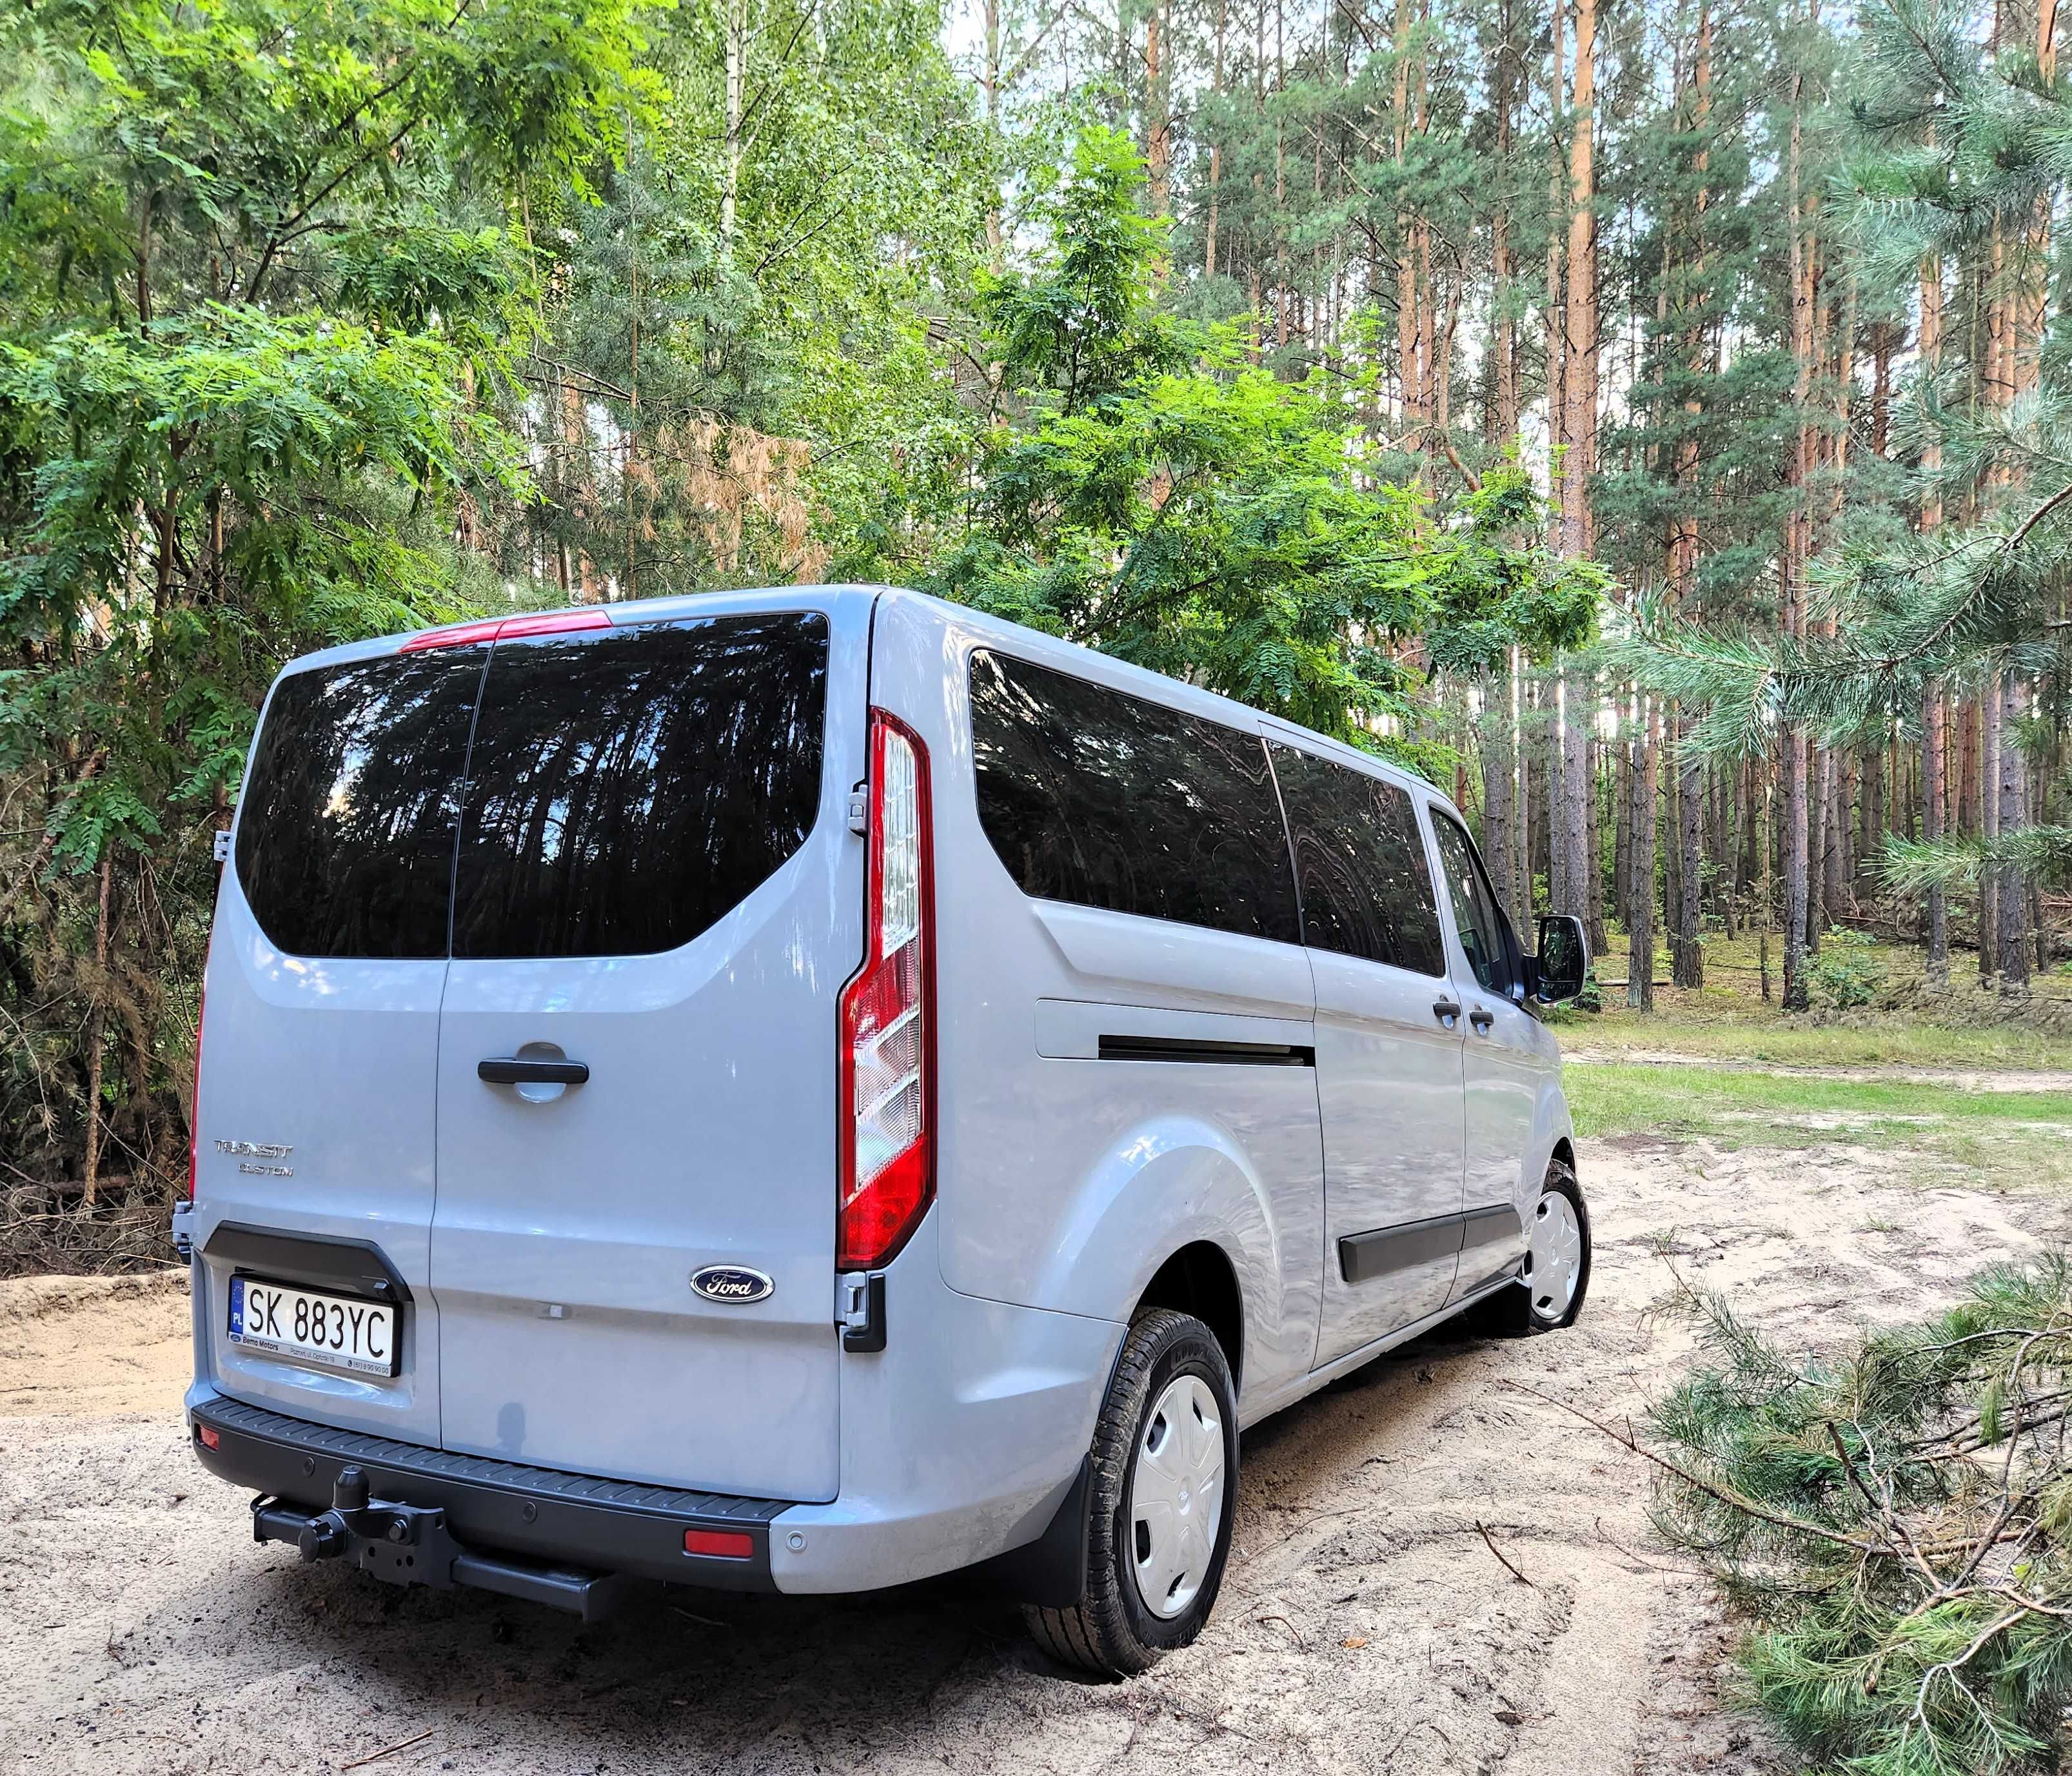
[[1897, 1523]]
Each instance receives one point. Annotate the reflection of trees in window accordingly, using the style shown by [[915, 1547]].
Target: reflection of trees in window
[[1100, 799], [346, 829], [627, 789], [1367, 890]]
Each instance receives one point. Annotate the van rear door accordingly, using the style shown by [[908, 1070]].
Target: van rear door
[[312, 1163], [656, 901]]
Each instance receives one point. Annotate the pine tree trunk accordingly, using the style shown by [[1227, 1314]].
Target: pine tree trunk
[[1640, 945], [1686, 953], [1989, 824], [1215, 144], [1580, 308], [1499, 787], [97, 1033], [1593, 848], [2011, 933], [1157, 119]]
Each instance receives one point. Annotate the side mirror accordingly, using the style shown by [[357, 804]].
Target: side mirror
[[1564, 961]]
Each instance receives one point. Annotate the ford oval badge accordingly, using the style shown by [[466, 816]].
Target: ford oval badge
[[734, 1285]]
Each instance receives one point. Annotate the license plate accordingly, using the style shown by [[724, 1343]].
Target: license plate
[[324, 1331]]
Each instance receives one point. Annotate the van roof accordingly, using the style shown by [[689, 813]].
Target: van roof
[[1025, 642]]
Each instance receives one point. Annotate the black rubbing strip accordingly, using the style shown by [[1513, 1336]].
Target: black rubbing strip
[[1188, 1048], [1362, 1257], [1487, 1225]]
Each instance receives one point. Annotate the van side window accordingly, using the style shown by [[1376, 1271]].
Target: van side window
[[1101, 798], [1475, 915], [345, 829], [1359, 862], [628, 787]]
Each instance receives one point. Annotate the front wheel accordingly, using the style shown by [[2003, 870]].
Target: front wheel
[[1557, 1264], [1165, 1493]]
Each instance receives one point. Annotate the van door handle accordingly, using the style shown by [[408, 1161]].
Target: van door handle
[[507, 1070], [1482, 1019], [1447, 1011]]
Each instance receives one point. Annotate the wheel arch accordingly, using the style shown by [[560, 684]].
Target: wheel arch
[[1199, 1279]]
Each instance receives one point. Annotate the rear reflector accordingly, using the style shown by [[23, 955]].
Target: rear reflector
[[536, 623], [209, 1435], [724, 1544]]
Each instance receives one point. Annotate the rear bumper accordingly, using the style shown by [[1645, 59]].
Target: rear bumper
[[538, 1514]]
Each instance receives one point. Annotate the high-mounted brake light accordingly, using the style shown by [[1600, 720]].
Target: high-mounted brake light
[[536, 623], [887, 1134]]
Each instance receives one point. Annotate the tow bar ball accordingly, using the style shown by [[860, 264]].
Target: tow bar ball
[[324, 1537]]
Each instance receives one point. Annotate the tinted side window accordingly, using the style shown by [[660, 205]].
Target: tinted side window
[[1475, 916], [1359, 860], [345, 832], [627, 787], [1103, 799]]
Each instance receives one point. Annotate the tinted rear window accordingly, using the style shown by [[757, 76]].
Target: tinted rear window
[[1095, 797], [625, 789], [1366, 889], [345, 831]]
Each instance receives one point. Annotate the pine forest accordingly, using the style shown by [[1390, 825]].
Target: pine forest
[[1652, 420]]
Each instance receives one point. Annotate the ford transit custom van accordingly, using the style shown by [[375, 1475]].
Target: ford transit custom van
[[804, 1090]]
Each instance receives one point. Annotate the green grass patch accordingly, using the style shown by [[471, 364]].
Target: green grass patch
[[1729, 1019], [2003, 1137]]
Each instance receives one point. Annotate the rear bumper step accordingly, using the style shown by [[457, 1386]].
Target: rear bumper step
[[415, 1515]]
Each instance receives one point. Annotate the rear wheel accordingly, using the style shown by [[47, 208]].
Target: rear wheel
[[1164, 1488]]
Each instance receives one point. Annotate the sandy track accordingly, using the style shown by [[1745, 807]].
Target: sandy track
[[1364, 1626]]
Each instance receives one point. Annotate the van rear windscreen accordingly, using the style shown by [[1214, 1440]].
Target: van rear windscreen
[[622, 790]]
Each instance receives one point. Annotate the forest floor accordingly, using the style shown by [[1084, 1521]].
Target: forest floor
[[1367, 1623]]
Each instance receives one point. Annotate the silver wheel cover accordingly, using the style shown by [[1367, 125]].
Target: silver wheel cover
[[1176, 1496], [1555, 1264]]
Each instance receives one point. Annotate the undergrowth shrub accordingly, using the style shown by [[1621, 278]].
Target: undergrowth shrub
[[1896, 1526]]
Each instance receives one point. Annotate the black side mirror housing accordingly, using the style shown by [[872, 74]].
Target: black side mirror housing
[[1564, 962]]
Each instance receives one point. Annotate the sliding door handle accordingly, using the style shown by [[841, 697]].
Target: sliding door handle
[[1447, 1011], [1482, 1019], [507, 1070]]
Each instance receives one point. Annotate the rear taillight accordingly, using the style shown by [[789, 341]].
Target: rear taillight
[[888, 1015], [194, 1103]]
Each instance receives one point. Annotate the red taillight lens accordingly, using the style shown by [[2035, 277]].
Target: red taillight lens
[[536, 623], [888, 1015], [193, 1103], [725, 1544], [211, 1437]]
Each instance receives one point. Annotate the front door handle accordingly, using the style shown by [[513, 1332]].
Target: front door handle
[[1482, 1019], [1447, 1011], [507, 1070]]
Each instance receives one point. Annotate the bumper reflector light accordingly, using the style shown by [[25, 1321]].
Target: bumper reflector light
[[724, 1544]]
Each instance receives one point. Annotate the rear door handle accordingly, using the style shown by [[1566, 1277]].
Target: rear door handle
[[507, 1070], [1447, 1011], [1482, 1019]]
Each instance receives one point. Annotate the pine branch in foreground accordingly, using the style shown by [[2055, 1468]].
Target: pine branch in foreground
[[1896, 1523]]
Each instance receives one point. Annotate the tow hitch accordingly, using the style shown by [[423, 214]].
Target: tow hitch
[[409, 1544]]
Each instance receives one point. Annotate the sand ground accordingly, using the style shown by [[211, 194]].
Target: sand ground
[[1365, 1624]]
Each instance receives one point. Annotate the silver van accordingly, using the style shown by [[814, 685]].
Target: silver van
[[804, 1090]]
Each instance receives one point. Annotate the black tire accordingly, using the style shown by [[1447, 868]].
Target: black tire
[[1515, 1312], [1110, 1631]]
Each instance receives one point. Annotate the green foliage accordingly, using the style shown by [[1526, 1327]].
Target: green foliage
[[1895, 1523], [265, 296], [1846, 974], [1140, 486]]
